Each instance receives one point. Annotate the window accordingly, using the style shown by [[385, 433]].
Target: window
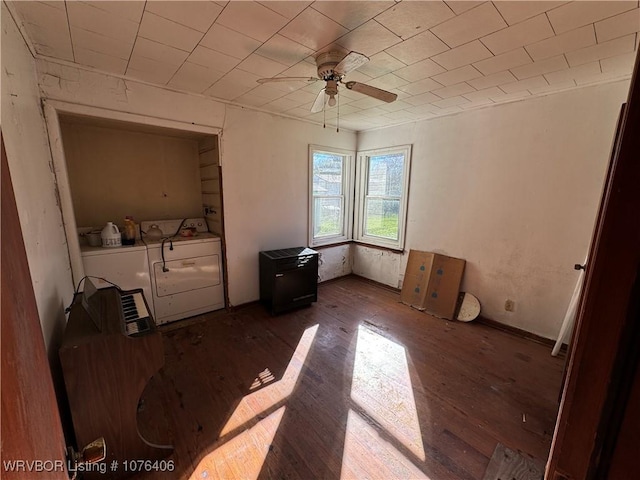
[[382, 188], [331, 195]]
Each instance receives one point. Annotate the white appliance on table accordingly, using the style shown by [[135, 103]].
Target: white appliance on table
[[185, 266], [126, 266]]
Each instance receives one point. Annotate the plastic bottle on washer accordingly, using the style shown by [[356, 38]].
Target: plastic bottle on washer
[[129, 232]]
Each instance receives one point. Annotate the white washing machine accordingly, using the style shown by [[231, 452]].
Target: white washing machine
[[126, 266], [186, 271]]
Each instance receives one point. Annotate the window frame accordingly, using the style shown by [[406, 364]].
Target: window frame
[[348, 170], [362, 174]]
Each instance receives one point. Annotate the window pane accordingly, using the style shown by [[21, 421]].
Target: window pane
[[381, 218], [385, 175], [327, 174], [327, 213]]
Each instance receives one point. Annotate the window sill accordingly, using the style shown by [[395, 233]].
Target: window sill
[[356, 242]]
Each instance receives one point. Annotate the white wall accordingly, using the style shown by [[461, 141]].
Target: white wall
[[29, 159], [264, 161], [265, 182], [513, 189]]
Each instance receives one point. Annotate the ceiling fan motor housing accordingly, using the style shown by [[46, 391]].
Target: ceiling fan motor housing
[[326, 63]]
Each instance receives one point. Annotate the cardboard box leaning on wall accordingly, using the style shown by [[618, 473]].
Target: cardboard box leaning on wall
[[432, 283]]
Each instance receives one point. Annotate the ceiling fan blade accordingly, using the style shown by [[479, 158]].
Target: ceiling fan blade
[[287, 79], [372, 91], [349, 63], [320, 101]]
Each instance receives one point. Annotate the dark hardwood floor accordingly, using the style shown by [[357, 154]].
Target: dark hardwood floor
[[356, 386]]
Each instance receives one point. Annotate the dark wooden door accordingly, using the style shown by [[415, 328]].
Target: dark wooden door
[[603, 356], [33, 444]]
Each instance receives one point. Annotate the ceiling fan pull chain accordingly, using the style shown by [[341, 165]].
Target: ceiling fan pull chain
[[338, 118], [324, 115]]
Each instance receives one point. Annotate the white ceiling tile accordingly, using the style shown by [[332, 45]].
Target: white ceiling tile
[[461, 6], [618, 26], [533, 82], [419, 70], [90, 17], [107, 63], [264, 67], [418, 48], [424, 108], [505, 61], [56, 4], [150, 70], [404, 116], [380, 64], [366, 102], [47, 28], [556, 87], [577, 14], [369, 38], [301, 69], [214, 60], [407, 19], [519, 35], [507, 97], [351, 14], [596, 78], [492, 80], [454, 90], [485, 93], [131, 10], [395, 106], [312, 29], [283, 50], [463, 55], [161, 30], [251, 19], [302, 97], [517, 11], [458, 75], [421, 99], [229, 42], [470, 25], [268, 92], [251, 100], [622, 64], [574, 73], [611, 48], [421, 86], [288, 9], [194, 78], [388, 82], [281, 105], [482, 102], [160, 52], [563, 43], [540, 68], [450, 102], [198, 15], [233, 84], [101, 44]]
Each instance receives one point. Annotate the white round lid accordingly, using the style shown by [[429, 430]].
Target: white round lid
[[469, 309]]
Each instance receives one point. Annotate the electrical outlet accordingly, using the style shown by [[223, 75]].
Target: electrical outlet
[[509, 305]]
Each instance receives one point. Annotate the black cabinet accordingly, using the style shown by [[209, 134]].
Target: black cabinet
[[288, 278]]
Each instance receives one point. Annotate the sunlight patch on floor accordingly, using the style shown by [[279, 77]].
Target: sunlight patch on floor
[[243, 455], [261, 400], [381, 386], [367, 455]]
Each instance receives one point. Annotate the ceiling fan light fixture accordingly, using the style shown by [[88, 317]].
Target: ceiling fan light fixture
[[332, 100]]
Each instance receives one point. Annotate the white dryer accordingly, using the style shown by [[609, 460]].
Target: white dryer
[[186, 269]]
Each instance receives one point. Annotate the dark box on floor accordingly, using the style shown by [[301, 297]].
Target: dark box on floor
[[432, 283]]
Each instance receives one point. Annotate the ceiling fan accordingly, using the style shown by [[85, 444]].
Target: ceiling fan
[[332, 68]]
